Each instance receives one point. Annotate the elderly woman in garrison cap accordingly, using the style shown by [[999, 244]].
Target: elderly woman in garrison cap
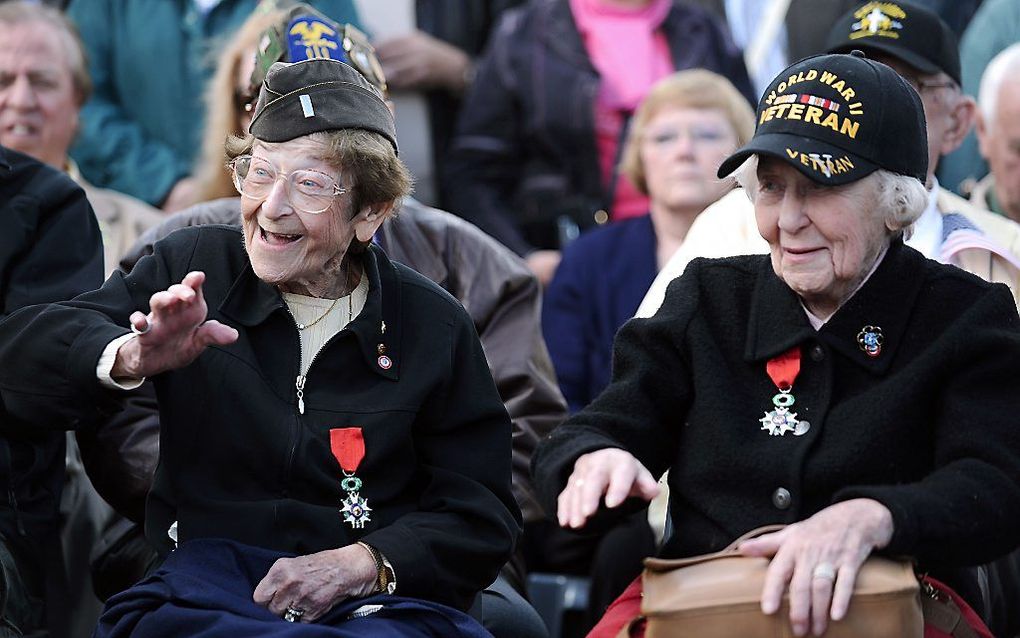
[[330, 429], [842, 385]]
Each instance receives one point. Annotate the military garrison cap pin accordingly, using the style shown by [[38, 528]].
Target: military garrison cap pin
[[870, 340]]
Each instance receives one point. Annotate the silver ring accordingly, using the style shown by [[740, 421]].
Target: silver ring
[[293, 614], [579, 483], [135, 330], [824, 571]]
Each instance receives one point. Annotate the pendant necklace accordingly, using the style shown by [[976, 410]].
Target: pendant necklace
[[783, 371]]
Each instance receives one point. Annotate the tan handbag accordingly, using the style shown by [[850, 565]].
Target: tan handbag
[[719, 595]]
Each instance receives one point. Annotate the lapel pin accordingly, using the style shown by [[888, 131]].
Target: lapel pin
[[870, 340], [384, 362]]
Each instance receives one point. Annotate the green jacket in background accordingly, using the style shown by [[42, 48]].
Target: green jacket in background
[[150, 60]]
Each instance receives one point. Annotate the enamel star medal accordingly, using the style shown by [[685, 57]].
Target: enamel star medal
[[348, 446], [783, 371]]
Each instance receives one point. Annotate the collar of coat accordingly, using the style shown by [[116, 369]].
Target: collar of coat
[[250, 301], [4, 164], [778, 322]]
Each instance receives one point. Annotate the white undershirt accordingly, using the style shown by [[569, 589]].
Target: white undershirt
[[307, 309]]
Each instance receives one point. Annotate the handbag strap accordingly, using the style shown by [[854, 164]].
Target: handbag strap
[[754, 533], [663, 564], [945, 616], [941, 612]]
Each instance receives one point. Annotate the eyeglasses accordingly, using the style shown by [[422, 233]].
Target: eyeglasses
[[923, 86], [308, 191]]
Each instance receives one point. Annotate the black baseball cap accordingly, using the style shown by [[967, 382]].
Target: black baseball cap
[[837, 119], [905, 31]]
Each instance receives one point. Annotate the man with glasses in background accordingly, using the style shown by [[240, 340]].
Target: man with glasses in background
[[919, 46]]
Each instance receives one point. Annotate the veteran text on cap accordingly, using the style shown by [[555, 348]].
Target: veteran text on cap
[[838, 118]]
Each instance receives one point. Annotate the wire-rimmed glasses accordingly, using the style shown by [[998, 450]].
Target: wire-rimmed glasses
[[308, 190]]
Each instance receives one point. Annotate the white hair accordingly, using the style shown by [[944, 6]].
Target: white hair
[[1003, 66], [900, 199]]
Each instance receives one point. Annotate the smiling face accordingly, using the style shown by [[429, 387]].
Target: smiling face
[[681, 149], [823, 240], [38, 102], [294, 250]]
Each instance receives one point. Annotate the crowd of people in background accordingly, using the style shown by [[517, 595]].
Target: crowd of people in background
[[565, 159]]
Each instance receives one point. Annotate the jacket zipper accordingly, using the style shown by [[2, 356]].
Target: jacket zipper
[[299, 382], [299, 386]]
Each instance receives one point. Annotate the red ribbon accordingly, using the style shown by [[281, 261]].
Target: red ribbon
[[783, 370], [348, 446]]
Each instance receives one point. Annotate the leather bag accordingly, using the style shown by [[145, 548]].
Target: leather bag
[[719, 595]]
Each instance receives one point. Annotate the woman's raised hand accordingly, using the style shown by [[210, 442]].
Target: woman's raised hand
[[819, 559], [174, 332], [612, 472]]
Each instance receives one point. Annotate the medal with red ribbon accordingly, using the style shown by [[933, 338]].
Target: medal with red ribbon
[[783, 371], [348, 446]]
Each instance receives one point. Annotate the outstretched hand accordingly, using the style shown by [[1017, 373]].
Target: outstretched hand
[[174, 332], [612, 472]]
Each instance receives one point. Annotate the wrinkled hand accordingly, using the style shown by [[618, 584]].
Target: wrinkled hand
[[612, 472], [419, 61], [841, 535], [315, 583], [177, 334]]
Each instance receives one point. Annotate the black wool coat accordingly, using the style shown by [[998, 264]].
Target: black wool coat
[[928, 427], [240, 460]]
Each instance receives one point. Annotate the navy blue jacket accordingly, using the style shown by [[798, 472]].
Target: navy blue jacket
[[598, 286], [205, 588]]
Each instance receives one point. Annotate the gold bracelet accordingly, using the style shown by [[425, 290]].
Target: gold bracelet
[[386, 582]]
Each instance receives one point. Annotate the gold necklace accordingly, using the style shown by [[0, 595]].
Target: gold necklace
[[302, 326], [350, 312]]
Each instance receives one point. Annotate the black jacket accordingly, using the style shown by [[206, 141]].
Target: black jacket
[[50, 250], [240, 461], [524, 153], [495, 287], [928, 427]]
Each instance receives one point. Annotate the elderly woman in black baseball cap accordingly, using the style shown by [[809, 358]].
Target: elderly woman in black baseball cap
[[842, 384], [330, 428]]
